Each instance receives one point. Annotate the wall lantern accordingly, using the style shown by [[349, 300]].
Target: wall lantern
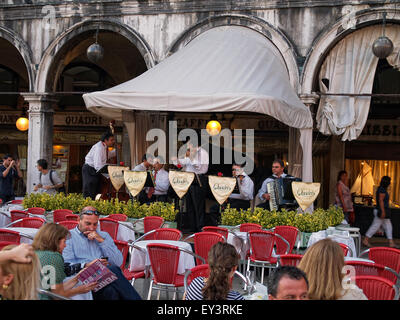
[[22, 122]]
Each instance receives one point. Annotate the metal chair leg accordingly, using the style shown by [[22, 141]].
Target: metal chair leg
[[150, 290]]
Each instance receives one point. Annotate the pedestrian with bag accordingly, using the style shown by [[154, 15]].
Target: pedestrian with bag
[[49, 181]]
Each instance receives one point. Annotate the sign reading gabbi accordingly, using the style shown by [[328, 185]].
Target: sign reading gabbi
[[117, 176], [180, 181], [134, 181], [305, 193], [221, 187]]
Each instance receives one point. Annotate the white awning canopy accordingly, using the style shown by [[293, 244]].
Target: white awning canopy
[[225, 69]]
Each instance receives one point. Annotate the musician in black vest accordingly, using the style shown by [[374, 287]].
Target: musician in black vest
[[277, 172], [196, 161], [95, 160]]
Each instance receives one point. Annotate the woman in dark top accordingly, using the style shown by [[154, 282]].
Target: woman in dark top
[[383, 214], [223, 260]]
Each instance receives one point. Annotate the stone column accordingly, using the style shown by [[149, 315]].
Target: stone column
[[40, 134]]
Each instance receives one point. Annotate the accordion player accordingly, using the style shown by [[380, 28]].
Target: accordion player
[[281, 194]]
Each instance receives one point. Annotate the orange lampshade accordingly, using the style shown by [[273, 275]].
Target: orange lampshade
[[213, 127], [22, 124]]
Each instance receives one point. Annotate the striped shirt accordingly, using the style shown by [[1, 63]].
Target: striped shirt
[[194, 291], [81, 250]]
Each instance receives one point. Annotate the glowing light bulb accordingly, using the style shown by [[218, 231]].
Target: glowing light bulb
[[213, 127]]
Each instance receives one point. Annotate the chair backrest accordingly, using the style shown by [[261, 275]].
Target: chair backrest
[[118, 216], [68, 224], [363, 268], [203, 241], [31, 222], [376, 288], [9, 235], [289, 233], [18, 214], [223, 231], [201, 270], [71, 217], [7, 243], [164, 260], [246, 227], [261, 244], [151, 223], [290, 259], [36, 210], [124, 248], [386, 256], [344, 247], [16, 201], [59, 214], [110, 226], [167, 234]]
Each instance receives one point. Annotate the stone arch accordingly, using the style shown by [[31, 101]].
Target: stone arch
[[280, 41], [331, 35], [24, 50], [43, 81]]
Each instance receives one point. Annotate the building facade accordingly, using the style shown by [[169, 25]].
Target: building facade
[[45, 70]]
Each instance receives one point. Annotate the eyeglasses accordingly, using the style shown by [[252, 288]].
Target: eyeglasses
[[90, 212]]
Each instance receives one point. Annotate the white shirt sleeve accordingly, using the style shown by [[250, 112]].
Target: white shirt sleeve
[[162, 182], [99, 156]]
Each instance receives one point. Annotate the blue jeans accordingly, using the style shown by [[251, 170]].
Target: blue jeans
[[120, 289]]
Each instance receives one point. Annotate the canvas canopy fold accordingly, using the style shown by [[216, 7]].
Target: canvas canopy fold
[[225, 69]]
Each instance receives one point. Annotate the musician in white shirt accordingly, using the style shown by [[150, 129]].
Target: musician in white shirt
[[145, 165], [277, 172], [159, 193], [96, 159], [196, 160], [246, 188]]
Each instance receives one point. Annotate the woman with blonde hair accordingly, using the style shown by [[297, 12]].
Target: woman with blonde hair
[[19, 280], [49, 243], [223, 260], [323, 264]]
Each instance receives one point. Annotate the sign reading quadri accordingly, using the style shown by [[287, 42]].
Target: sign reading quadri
[[305, 193], [117, 176], [180, 181], [134, 181], [221, 187]]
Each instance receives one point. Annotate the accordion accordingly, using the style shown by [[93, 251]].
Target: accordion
[[281, 194]]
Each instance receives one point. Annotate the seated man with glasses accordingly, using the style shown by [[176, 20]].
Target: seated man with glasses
[[87, 244]]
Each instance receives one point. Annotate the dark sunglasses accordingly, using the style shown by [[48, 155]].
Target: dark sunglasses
[[90, 212]]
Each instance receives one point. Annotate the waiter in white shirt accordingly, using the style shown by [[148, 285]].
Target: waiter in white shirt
[[197, 161], [95, 160], [161, 179]]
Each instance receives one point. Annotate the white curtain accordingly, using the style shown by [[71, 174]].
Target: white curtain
[[350, 68]]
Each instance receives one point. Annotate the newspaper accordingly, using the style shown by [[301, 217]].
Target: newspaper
[[97, 272]]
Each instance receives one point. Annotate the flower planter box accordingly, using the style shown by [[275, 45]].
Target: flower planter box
[[170, 224]]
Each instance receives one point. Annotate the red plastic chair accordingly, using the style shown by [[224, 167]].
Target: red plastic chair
[[110, 226], [59, 214], [16, 201], [162, 234], [18, 214], [363, 268], [377, 288], [68, 224], [151, 223], [164, 260], [31, 222], [290, 259], [118, 216], [223, 231], [246, 227], [131, 276], [289, 233], [71, 217], [9, 235], [7, 243], [203, 241], [344, 247], [261, 245], [36, 210], [202, 270], [386, 256]]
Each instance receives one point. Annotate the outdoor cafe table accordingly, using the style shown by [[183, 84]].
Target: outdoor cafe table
[[5, 215], [242, 249], [25, 233], [139, 261], [349, 241]]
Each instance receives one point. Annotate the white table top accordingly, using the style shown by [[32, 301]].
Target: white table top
[[138, 261], [349, 241]]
